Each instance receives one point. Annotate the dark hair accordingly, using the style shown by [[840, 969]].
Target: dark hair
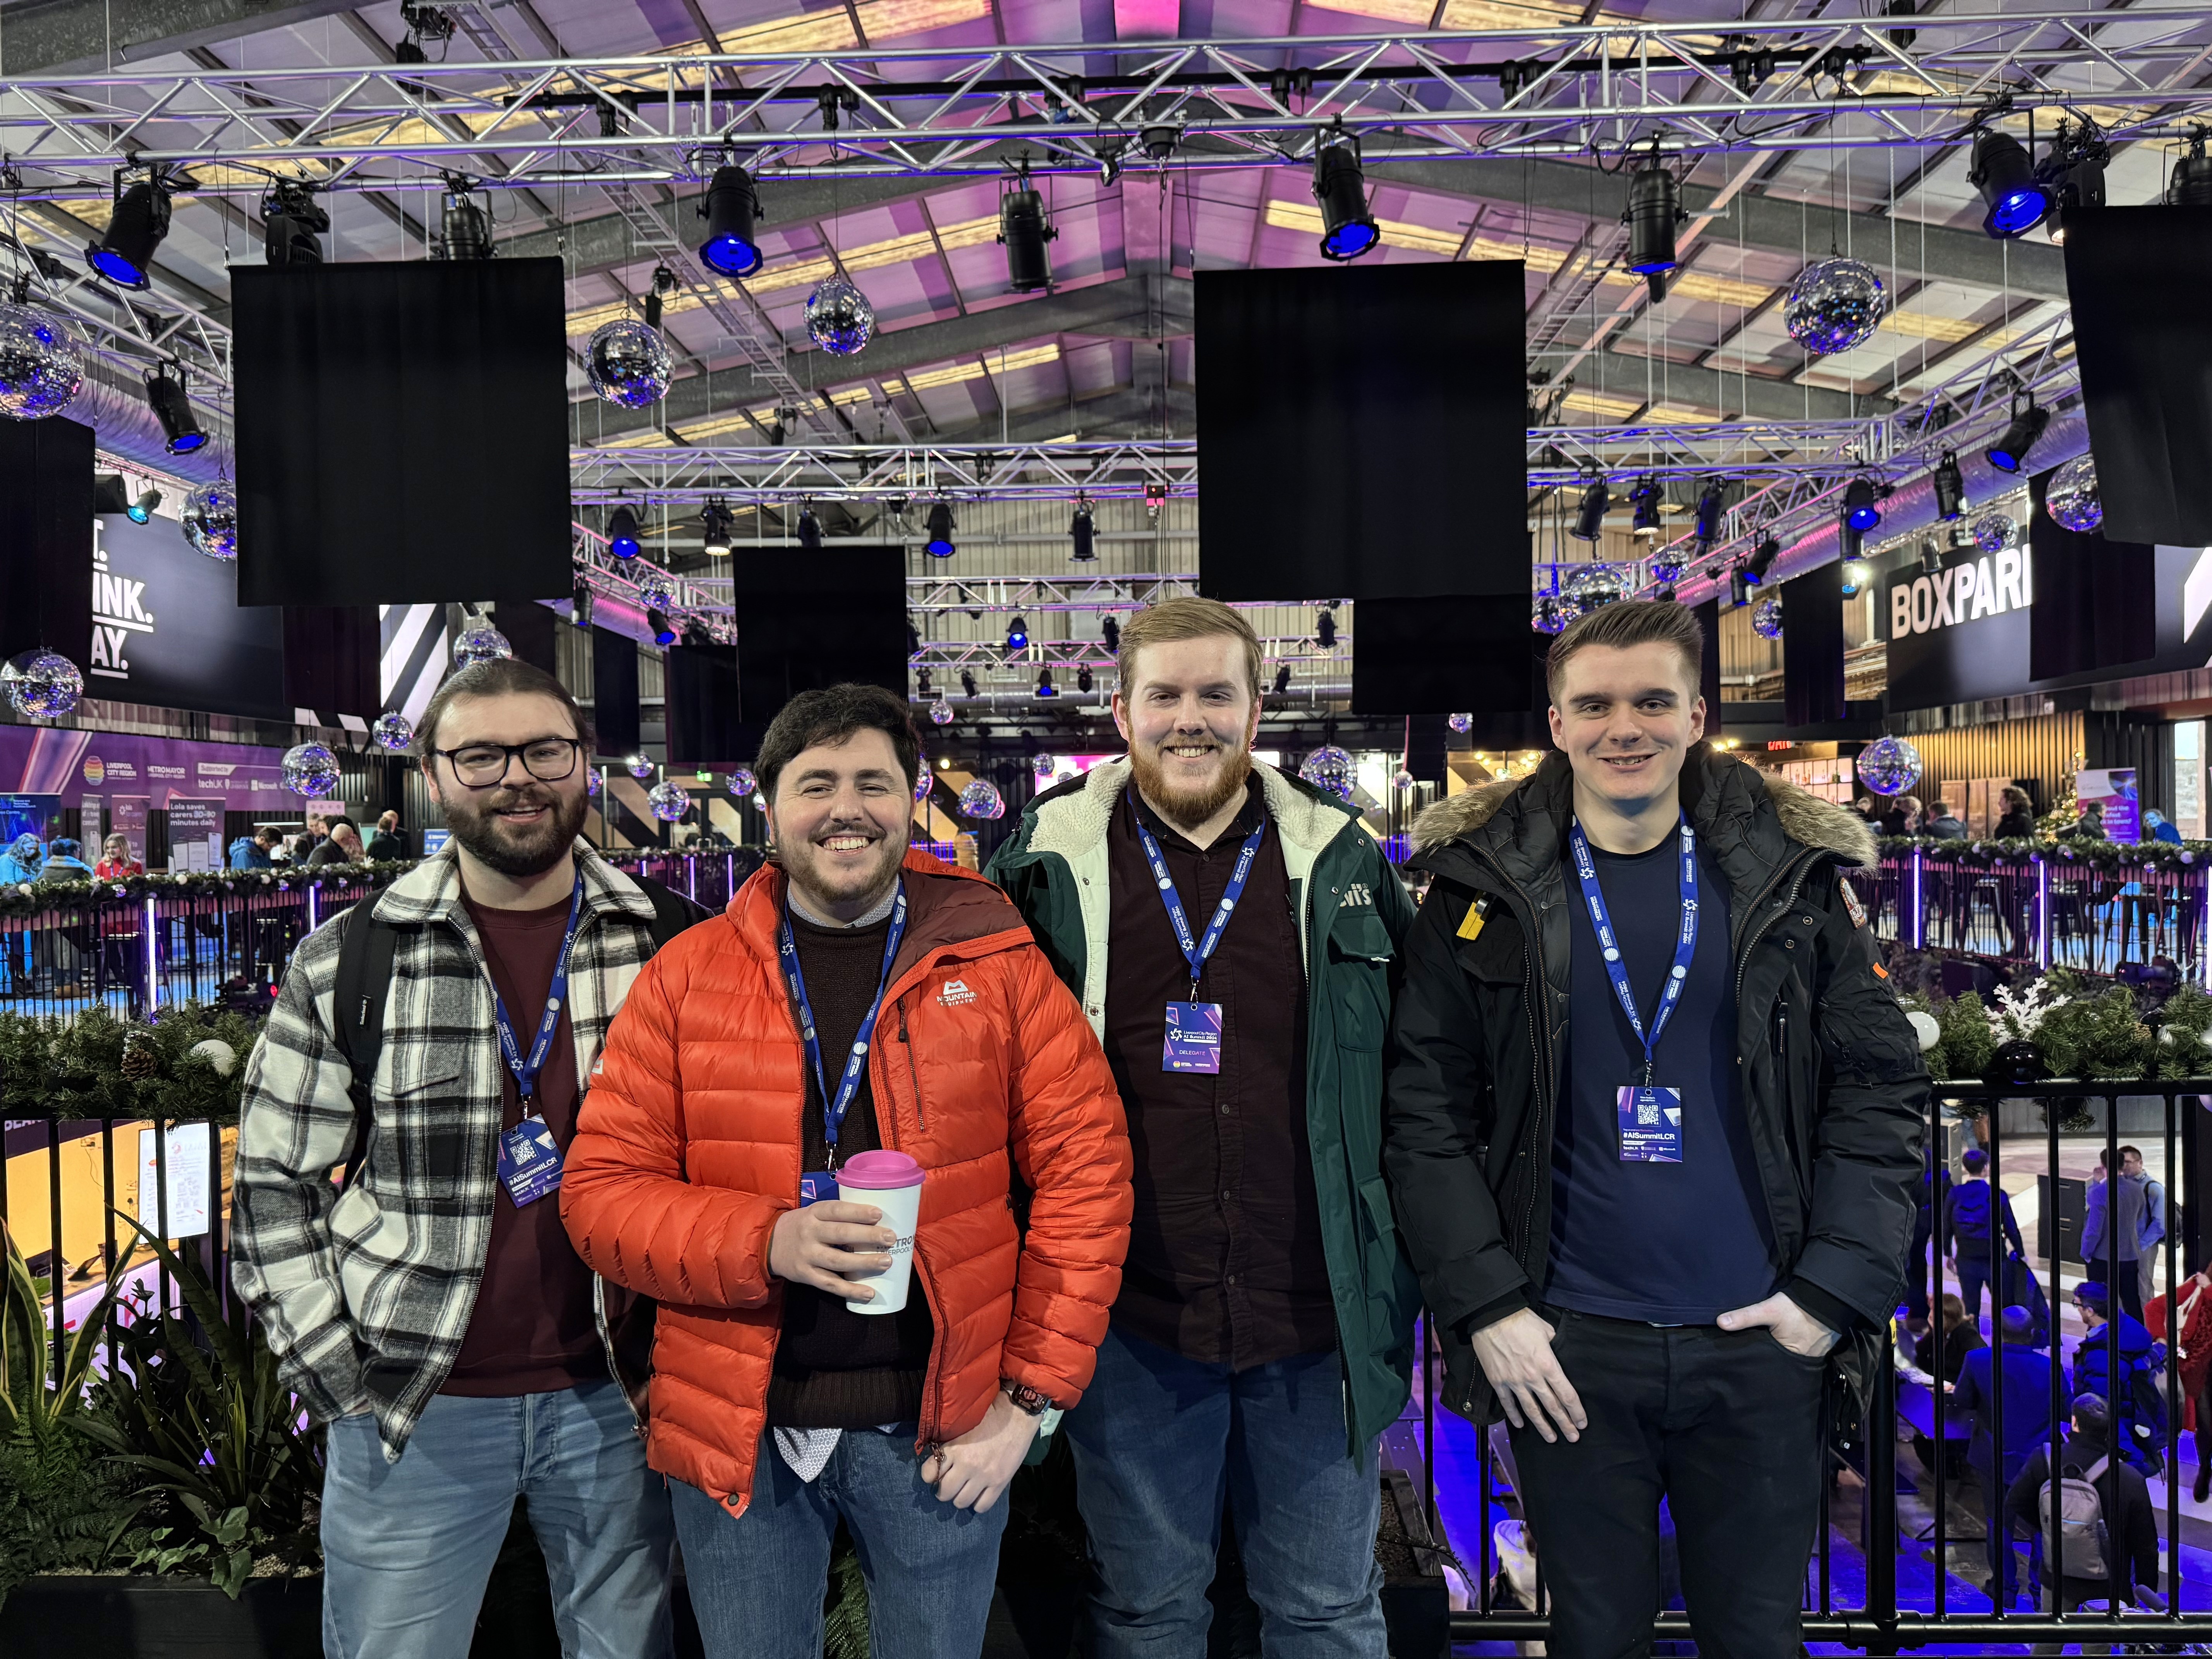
[[1629, 622], [830, 716], [502, 677], [2135, 1153], [1975, 1159], [268, 834]]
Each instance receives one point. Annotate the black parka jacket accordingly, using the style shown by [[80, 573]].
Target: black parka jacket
[[1833, 1084]]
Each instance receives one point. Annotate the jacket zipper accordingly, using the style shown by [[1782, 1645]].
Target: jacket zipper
[[934, 1402], [1804, 865], [912, 1071]]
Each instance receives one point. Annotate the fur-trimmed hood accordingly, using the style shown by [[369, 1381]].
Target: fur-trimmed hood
[[1074, 819], [1804, 818]]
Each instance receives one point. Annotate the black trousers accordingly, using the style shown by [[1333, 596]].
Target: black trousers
[[1726, 1427], [2127, 1289]]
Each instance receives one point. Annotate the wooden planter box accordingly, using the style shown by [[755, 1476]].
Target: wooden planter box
[[78, 1616]]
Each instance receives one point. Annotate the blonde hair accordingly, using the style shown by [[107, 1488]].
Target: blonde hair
[[1626, 624], [1185, 618]]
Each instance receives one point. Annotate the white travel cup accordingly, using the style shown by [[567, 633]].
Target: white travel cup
[[891, 1181]]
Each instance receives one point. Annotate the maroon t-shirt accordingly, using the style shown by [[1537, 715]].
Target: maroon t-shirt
[[533, 1331]]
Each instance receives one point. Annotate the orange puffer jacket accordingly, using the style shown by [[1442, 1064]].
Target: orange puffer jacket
[[688, 1149]]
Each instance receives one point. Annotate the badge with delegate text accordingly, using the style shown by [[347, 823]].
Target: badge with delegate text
[[1650, 1117], [815, 1187], [529, 1158], [1193, 1028]]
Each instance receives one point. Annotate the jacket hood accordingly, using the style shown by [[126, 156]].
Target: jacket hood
[[1074, 819], [1804, 816]]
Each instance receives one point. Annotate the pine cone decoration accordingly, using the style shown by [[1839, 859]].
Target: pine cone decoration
[[140, 1063]]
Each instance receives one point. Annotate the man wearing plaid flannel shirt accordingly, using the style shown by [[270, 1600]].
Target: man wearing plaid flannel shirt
[[432, 1310]]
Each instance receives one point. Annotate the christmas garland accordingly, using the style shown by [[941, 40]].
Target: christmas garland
[[188, 1065], [2100, 855], [24, 899]]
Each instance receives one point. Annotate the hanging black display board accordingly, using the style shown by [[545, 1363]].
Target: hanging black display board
[[702, 706], [1812, 647], [614, 692], [45, 537], [1434, 655], [1709, 676], [2093, 602], [332, 654]]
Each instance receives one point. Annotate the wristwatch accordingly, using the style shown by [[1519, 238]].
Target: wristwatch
[[1035, 1402]]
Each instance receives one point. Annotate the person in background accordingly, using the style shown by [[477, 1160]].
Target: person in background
[[64, 955], [1942, 823], [318, 829], [343, 847], [2130, 1522], [1930, 1202], [1231, 933], [430, 1310], [1940, 1354], [2156, 826], [1968, 1222], [2141, 1434], [2017, 821], [19, 867], [2090, 825], [2193, 1352], [2152, 1233], [1903, 817], [857, 1001], [63, 863], [1868, 813], [2020, 1394], [254, 852], [2111, 1230], [116, 863], [385, 845]]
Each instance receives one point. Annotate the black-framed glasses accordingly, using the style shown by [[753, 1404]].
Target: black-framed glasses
[[480, 765]]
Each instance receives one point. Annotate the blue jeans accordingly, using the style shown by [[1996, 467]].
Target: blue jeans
[[409, 1547], [757, 1579], [1160, 1441]]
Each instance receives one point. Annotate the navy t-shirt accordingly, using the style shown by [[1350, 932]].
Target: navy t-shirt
[[1669, 1243]]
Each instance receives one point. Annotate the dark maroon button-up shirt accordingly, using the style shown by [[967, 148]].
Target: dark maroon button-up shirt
[[1225, 1258]]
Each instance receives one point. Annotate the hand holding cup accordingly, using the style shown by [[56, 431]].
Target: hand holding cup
[[818, 1245]]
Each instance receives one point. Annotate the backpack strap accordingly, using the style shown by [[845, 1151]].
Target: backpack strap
[[671, 911], [2095, 1472], [365, 956]]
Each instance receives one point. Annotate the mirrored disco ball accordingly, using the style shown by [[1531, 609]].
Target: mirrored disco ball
[[210, 519], [1329, 767], [1889, 767], [1834, 305], [1550, 618], [311, 771], [657, 592], [592, 782], [1043, 765], [640, 767], [839, 318], [1594, 585], [1767, 619], [742, 780], [981, 799], [1460, 722], [393, 731], [628, 364], [760, 801], [2072, 499], [1996, 532], [669, 801], [940, 711], [1403, 778], [480, 642], [924, 784], [42, 684], [39, 368]]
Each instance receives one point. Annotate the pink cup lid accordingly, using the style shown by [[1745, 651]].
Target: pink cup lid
[[877, 1171]]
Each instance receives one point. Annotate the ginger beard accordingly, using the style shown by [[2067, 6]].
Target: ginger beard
[[518, 847], [1179, 800]]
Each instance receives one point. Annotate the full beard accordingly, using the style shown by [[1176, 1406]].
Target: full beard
[[1189, 808], [475, 826]]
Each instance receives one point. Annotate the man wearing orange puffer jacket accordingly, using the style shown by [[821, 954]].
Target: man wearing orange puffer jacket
[[702, 1175]]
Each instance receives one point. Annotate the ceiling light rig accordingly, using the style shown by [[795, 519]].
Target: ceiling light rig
[[731, 208], [1651, 216], [2191, 184], [1024, 229], [1082, 533], [1950, 487], [2015, 201], [165, 394], [1762, 560], [292, 225], [715, 525], [1646, 499], [1860, 513], [810, 529], [1590, 516], [2009, 452], [622, 534], [1347, 227], [940, 526], [135, 227], [1712, 503]]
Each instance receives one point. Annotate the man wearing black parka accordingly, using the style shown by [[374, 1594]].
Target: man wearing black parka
[[1654, 1129]]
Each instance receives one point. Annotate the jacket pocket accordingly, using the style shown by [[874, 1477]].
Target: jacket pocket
[[419, 1144], [1358, 983]]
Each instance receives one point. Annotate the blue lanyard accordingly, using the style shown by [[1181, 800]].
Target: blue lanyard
[[527, 1067], [1197, 953], [834, 1108], [1685, 942]]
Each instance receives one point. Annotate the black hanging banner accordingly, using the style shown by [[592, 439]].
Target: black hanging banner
[[2092, 603], [45, 537], [529, 627], [1433, 656], [1709, 674], [332, 657], [1812, 647], [614, 692], [703, 710]]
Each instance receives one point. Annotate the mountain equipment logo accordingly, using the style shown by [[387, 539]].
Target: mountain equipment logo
[[956, 993]]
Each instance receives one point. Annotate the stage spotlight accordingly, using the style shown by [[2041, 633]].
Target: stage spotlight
[[921, 679], [732, 245], [1111, 631], [292, 225], [1084, 680], [715, 528], [1646, 499], [165, 392], [696, 632], [1023, 230], [622, 534], [1080, 531], [107, 495], [810, 530], [1347, 228], [1589, 516], [1712, 501], [124, 252], [1045, 687], [1665, 596], [663, 633], [1282, 680], [580, 605], [1859, 510], [2016, 201], [1931, 556], [1018, 635], [939, 545], [1651, 215], [1950, 487], [1849, 540], [2192, 185], [465, 229], [2009, 452], [1762, 560], [1740, 584], [142, 506], [1325, 629], [967, 684]]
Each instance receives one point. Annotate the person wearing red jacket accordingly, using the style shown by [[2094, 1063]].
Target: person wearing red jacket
[[702, 1175]]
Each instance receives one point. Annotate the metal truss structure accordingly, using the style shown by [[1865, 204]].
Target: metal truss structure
[[946, 659], [1685, 87], [884, 472]]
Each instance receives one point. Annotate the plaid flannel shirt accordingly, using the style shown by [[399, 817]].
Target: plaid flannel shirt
[[366, 1296]]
